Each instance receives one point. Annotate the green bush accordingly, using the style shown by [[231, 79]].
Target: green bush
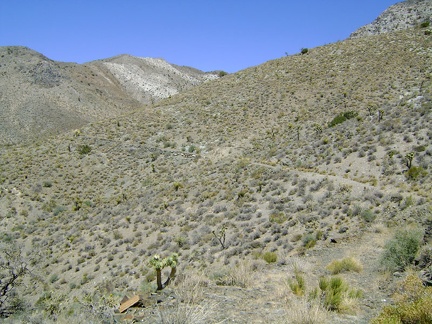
[[279, 218], [415, 172], [270, 257], [309, 241], [368, 215], [84, 149], [339, 119], [425, 24], [401, 250]]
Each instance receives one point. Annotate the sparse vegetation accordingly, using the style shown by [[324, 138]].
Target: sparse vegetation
[[242, 180]]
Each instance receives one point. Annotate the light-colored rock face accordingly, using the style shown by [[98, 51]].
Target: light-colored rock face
[[149, 79], [139, 83], [400, 16]]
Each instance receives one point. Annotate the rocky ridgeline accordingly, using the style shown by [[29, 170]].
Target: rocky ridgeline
[[403, 15]]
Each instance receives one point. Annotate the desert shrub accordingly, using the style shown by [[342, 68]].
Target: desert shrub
[[413, 304], [84, 149], [278, 218], [339, 119], [47, 184], [368, 215], [415, 172], [401, 250], [309, 241], [58, 210], [347, 264], [425, 24], [269, 257], [420, 148]]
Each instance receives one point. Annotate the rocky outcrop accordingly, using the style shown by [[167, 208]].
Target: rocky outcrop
[[403, 15]]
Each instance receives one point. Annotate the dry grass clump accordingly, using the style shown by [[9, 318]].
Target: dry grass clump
[[241, 275], [186, 313], [298, 284], [346, 264], [190, 304], [337, 295], [302, 311]]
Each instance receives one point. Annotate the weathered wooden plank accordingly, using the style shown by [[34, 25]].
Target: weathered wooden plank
[[129, 303]]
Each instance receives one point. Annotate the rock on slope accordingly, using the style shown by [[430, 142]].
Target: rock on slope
[[40, 96], [400, 16]]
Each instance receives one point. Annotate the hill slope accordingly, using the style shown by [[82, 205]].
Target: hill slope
[[40, 96], [249, 160]]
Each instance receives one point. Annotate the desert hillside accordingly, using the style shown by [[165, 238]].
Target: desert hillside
[[41, 97], [296, 191]]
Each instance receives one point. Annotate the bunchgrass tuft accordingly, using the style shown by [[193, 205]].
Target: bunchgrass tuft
[[344, 265]]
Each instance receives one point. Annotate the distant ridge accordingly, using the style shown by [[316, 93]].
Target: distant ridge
[[39, 96]]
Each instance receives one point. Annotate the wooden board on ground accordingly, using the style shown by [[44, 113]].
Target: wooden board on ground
[[129, 303]]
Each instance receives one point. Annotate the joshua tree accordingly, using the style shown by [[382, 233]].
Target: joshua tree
[[318, 128], [158, 263], [380, 115], [13, 268], [409, 157], [298, 128], [221, 236]]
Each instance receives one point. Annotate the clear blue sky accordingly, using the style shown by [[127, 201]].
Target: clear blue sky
[[209, 35]]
